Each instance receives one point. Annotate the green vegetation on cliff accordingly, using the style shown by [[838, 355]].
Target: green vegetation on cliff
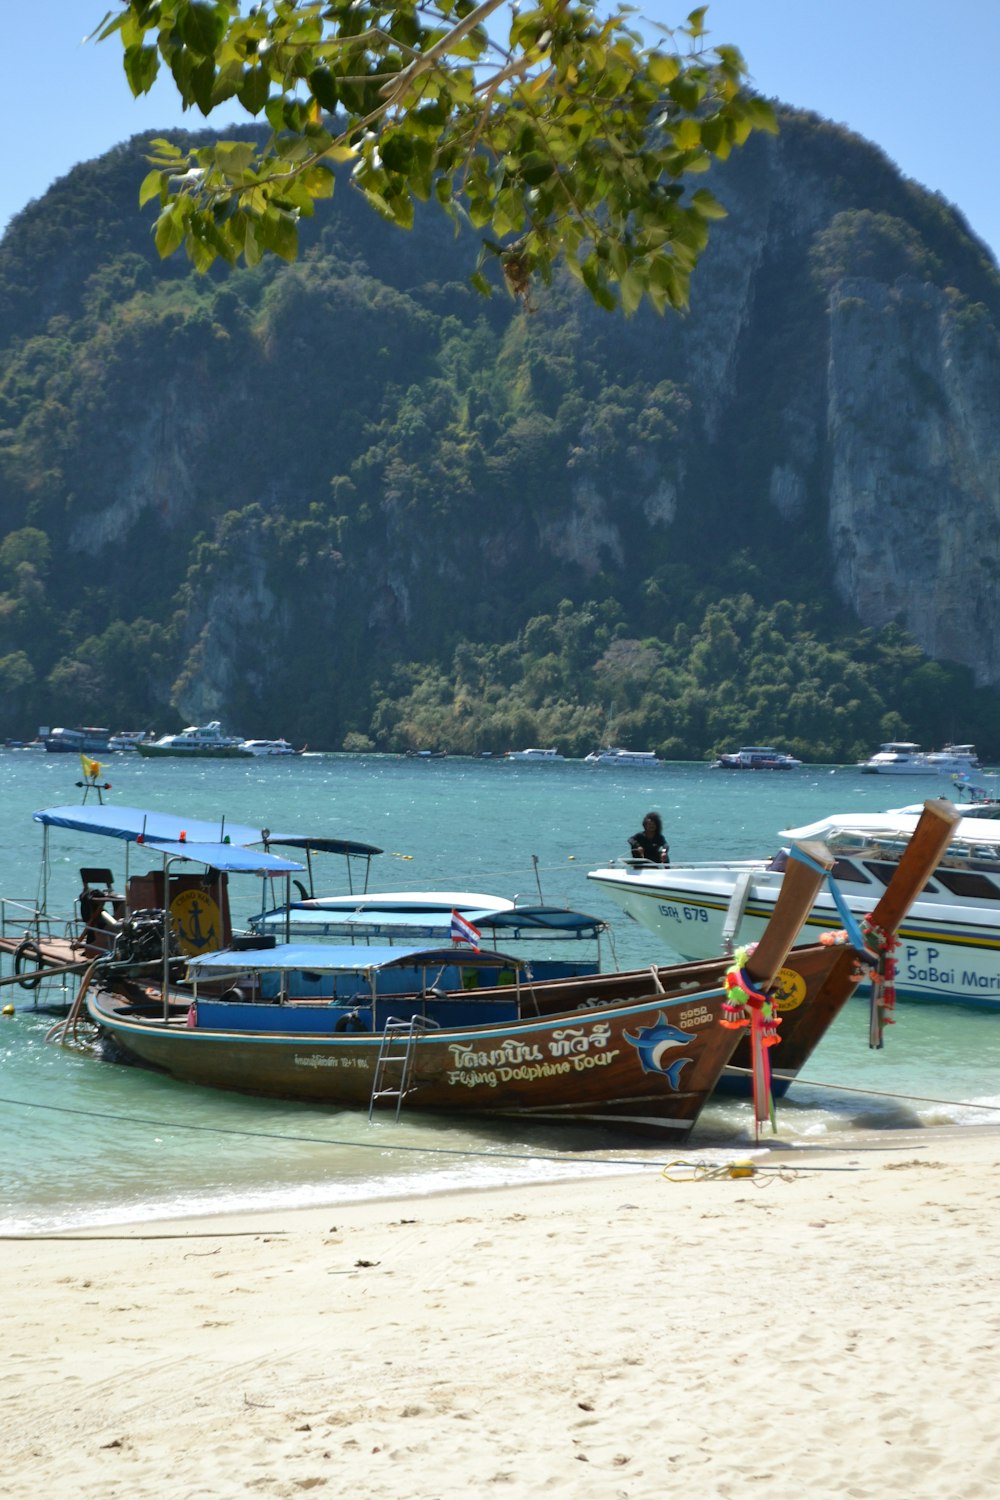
[[349, 502]]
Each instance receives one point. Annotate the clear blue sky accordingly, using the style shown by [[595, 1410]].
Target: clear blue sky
[[915, 77]]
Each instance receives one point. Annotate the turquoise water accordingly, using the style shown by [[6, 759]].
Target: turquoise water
[[88, 1142]]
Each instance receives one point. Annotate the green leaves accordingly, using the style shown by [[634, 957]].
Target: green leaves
[[566, 143]]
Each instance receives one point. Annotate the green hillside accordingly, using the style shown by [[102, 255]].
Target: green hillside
[[352, 502]]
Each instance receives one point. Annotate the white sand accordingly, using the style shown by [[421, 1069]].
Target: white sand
[[818, 1333]]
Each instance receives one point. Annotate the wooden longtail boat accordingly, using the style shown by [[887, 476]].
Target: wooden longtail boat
[[642, 1049], [807, 1009]]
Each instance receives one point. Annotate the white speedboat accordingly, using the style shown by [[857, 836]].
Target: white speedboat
[[269, 747], [533, 755], [618, 757], [205, 740], [130, 739], [949, 944], [756, 758]]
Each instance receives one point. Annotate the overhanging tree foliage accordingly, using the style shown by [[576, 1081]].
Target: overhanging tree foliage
[[560, 137]]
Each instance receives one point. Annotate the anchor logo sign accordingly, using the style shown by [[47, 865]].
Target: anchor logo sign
[[197, 920]]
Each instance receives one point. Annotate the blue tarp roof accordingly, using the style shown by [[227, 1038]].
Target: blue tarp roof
[[324, 957], [532, 922], [321, 919], [553, 921], [203, 841], [233, 858]]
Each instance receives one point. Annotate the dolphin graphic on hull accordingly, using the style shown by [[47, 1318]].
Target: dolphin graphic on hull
[[652, 1042]]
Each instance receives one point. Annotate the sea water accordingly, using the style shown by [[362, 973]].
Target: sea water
[[89, 1142]]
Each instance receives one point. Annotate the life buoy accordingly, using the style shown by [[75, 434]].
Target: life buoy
[[25, 952]]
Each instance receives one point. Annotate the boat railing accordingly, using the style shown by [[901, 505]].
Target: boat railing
[[625, 863], [23, 917]]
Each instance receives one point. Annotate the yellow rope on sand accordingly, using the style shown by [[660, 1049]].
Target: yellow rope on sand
[[703, 1171]]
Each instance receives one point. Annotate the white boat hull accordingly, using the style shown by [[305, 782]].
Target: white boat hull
[[946, 954]]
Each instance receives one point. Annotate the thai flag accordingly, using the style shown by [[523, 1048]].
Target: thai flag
[[463, 931]]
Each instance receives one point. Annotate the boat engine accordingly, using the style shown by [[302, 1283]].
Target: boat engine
[[139, 940]]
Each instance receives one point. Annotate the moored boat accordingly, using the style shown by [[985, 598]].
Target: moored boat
[[898, 758], [87, 741], [533, 754], [955, 760], [614, 756], [130, 739], [949, 946], [756, 758], [267, 748], [549, 942], [641, 1049], [204, 740]]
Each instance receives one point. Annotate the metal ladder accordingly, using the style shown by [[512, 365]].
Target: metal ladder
[[397, 1049], [734, 914]]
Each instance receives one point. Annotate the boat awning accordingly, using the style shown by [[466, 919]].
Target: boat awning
[[863, 825], [544, 921], [328, 957], [232, 858], [132, 823], [218, 845], [337, 915], [317, 845], [414, 903], [371, 919]]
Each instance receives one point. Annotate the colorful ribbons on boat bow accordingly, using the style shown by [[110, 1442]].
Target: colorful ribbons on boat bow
[[745, 1005], [875, 948], [877, 957]]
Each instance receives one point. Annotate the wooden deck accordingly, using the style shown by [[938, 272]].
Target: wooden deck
[[54, 960]]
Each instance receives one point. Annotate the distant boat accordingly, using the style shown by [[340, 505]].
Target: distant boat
[[130, 739], [269, 747], [206, 740], [533, 755], [955, 760], [898, 758], [87, 741], [756, 758], [617, 757]]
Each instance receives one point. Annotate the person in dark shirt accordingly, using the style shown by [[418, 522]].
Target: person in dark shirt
[[650, 843]]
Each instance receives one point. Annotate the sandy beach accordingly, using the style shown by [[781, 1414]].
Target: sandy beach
[[827, 1326]]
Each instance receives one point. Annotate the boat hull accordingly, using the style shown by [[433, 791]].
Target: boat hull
[[209, 752], [647, 1065], [944, 955], [641, 1050]]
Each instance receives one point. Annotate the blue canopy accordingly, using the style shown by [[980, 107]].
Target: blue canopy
[[522, 923], [318, 844], [370, 921], [550, 921], [329, 957], [202, 842], [232, 858]]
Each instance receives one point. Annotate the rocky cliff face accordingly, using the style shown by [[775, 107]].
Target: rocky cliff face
[[914, 490], [826, 310]]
